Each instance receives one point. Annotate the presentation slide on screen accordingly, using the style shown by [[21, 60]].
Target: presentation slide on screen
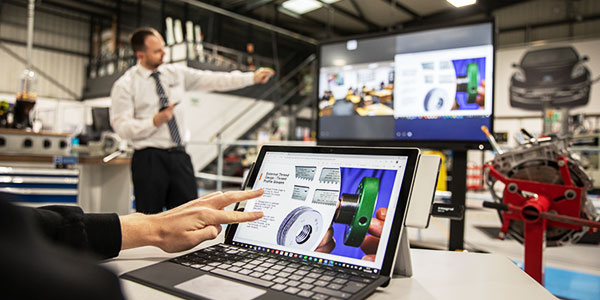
[[450, 82], [357, 90], [328, 206]]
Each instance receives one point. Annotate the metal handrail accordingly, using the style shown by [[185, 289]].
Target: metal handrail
[[264, 95]]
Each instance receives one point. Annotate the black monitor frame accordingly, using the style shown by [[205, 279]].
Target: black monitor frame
[[452, 145]]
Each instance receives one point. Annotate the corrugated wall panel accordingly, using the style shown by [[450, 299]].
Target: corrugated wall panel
[[511, 37], [58, 32], [67, 69], [531, 13], [50, 30], [550, 32]]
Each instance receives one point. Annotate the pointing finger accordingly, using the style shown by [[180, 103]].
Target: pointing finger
[[221, 201], [232, 217]]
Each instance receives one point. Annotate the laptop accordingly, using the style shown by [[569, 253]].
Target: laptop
[[332, 222]]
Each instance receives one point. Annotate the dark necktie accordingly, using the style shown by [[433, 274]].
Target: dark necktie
[[164, 102]]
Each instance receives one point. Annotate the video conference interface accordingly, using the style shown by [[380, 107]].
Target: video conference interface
[[309, 206], [429, 85]]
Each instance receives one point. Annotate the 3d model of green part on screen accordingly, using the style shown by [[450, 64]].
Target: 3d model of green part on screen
[[469, 83], [356, 211]]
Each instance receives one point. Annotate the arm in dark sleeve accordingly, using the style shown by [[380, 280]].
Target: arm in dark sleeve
[[69, 226]]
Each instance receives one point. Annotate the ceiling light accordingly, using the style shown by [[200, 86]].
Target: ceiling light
[[339, 62], [351, 45], [461, 3], [301, 6]]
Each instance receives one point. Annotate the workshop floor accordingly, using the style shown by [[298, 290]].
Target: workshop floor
[[572, 271]]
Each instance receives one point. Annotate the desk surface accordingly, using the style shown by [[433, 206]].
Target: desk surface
[[437, 275]]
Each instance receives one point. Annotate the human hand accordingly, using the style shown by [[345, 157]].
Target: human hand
[[370, 243], [164, 115], [480, 100], [262, 75], [187, 225]]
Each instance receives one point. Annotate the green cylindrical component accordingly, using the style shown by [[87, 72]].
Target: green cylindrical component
[[357, 211]]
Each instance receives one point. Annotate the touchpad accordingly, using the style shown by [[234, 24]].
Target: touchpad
[[217, 288]]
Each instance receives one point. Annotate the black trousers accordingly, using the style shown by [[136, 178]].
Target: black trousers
[[162, 178]]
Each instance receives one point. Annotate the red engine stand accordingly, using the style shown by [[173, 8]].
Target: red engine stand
[[539, 205]]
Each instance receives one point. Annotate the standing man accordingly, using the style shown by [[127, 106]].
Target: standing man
[[144, 111]]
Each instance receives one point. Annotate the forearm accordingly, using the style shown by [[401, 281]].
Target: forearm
[[138, 230]]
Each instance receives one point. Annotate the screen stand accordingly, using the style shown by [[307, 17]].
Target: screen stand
[[403, 265], [458, 187]]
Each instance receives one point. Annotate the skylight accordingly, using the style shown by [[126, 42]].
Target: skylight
[[301, 6], [461, 3]]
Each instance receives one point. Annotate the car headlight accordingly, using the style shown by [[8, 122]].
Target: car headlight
[[578, 70], [519, 76]]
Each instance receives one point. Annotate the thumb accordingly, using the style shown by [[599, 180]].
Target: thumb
[[209, 232]]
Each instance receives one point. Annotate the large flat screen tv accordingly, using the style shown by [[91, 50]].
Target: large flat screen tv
[[429, 88]]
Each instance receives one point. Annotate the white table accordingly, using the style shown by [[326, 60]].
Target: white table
[[437, 275]]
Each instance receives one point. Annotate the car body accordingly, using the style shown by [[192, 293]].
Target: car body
[[550, 77]]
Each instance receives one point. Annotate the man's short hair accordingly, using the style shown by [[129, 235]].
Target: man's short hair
[[138, 38]]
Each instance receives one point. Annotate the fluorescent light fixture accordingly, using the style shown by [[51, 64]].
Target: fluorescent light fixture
[[338, 62], [351, 45], [373, 66], [301, 6], [461, 3]]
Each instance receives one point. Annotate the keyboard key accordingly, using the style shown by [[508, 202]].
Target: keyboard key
[[271, 272], [260, 269], [244, 271], [319, 297], [291, 290], [313, 275], [279, 287], [308, 280], [280, 280], [326, 278], [284, 274], [306, 286], [301, 273], [331, 273], [361, 279], [306, 268], [321, 283], [207, 268], [292, 283], [257, 274], [289, 270], [196, 266], [277, 267], [318, 270], [245, 278], [305, 294], [295, 277], [266, 265], [334, 286], [333, 293], [353, 287], [268, 277]]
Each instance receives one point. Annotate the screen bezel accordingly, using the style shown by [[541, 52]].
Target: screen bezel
[[412, 155], [453, 144]]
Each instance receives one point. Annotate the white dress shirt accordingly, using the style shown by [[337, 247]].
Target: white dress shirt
[[135, 100]]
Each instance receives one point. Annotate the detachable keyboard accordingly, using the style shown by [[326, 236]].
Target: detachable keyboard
[[281, 273]]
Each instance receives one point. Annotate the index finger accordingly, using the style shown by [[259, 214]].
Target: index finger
[[232, 217], [223, 200]]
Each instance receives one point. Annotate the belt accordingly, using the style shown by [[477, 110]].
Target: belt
[[172, 149]]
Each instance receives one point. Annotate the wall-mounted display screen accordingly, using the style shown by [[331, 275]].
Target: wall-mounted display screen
[[425, 88]]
